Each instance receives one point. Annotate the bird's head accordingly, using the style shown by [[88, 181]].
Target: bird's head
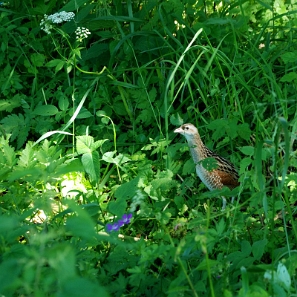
[[187, 130]]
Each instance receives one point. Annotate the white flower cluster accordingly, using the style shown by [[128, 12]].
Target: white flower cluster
[[56, 18], [81, 33]]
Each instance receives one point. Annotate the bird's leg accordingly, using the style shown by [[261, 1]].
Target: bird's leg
[[224, 203]]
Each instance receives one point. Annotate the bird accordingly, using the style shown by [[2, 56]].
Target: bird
[[224, 175]]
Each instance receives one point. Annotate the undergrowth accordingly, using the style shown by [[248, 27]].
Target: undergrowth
[[98, 196]]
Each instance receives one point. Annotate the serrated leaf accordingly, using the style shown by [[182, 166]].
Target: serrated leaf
[[46, 110], [27, 156], [9, 154], [9, 105], [37, 59]]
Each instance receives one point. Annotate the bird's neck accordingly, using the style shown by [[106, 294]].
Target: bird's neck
[[197, 148]]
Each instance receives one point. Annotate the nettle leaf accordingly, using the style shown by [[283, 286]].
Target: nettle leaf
[[46, 110], [90, 162]]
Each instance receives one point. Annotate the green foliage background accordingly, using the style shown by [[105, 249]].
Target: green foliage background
[[87, 136]]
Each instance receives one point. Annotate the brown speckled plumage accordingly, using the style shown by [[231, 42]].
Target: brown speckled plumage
[[224, 175]]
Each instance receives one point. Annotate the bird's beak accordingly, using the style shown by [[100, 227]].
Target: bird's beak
[[179, 130]]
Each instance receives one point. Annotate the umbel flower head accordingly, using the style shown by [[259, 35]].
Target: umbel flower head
[[81, 33], [56, 18], [126, 218]]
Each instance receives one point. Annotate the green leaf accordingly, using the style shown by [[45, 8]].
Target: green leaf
[[258, 248], [46, 110], [54, 63], [61, 257], [289, 57], [37, 59], [117, 207], [244, 131], [189, 167], [247, 150], [12, 269], [127, 190], [84, 144], [27, 159], [118, 160], [289, 77], [91, 164], [246, 248], [63, 103], [176, 119], [78, 286], [81, 225]]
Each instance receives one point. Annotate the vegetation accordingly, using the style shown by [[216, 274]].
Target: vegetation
[[98, 196]]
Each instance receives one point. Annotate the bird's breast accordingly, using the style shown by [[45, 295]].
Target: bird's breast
[[211, 180]]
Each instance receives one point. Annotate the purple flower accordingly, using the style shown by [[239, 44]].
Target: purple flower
[[113, 227], [126, 218]]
